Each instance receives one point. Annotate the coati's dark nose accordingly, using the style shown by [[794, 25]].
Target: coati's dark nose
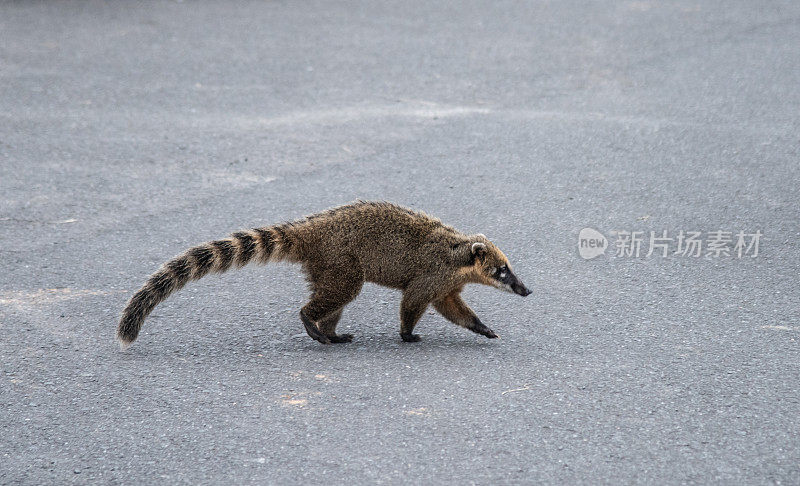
[[520, 289]]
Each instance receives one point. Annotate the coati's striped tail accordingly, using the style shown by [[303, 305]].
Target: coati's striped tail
[[260, 244]]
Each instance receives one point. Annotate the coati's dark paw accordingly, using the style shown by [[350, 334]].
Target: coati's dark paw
[[322, 338], [312, 330], [490, 334], [410, 338], [341, 338], [481, 328]]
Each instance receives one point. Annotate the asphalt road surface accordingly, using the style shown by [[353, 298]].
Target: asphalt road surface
[[130, 131]]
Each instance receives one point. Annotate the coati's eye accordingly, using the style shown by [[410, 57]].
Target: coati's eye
[[502, 271]]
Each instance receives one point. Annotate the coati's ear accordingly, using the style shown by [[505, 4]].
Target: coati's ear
[[479, 250]]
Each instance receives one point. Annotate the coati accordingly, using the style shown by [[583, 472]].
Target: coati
[[340, 249]]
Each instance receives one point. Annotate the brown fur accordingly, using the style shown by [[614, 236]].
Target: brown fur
[[340, 249]]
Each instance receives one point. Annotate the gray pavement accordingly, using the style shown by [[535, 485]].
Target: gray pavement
[[132, 130]]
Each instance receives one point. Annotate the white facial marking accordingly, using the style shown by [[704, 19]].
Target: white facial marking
[[502, 286], [502, 274]]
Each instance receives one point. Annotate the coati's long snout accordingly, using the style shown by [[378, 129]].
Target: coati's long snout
[[517, 286], [340, 249], [514, 284], [523, 291]]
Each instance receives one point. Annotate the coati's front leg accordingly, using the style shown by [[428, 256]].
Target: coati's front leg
[[455, 310]]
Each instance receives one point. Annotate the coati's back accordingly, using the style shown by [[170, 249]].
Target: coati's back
[[391, 242]]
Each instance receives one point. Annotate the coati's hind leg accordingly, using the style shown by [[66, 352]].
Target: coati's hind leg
[[312, 329], [328, 328], [455, 310], [333, 288]]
